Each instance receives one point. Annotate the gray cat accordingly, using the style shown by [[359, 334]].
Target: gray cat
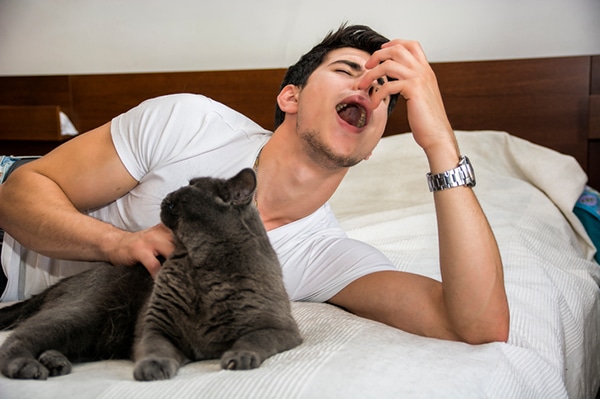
[[220, 294]]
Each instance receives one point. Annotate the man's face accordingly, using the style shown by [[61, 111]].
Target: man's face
[[335, 119]]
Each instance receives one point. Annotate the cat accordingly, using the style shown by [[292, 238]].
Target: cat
[[220, 294]]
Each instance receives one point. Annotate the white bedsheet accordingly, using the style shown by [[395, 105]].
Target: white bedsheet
[[552, 284]]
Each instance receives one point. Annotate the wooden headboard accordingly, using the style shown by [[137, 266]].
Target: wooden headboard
[[554, 102]]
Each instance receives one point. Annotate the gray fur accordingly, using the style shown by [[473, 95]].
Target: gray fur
[[220, 294]]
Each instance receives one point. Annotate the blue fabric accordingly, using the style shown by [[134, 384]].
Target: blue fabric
[[9, 163], [587, 209], [6, 163]]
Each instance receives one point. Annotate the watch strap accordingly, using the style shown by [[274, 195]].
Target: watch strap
[[462, 175]]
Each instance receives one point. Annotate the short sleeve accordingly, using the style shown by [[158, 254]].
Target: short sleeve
[[158, 130], [318, 258]]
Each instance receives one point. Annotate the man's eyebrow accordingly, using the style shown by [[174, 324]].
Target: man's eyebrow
[[353, 65]]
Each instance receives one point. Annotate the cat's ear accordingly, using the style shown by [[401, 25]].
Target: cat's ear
[[241, 187]]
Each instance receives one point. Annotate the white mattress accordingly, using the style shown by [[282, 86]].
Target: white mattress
[[527, 192]]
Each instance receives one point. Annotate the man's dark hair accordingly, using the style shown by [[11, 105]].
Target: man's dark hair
[[355, 36]]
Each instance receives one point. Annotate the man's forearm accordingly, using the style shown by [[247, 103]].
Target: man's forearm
[[38, 214], [471, 268]]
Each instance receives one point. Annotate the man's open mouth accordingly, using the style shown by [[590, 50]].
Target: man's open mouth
[[353, 113]]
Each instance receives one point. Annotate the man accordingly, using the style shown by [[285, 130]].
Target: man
[[332, 111]]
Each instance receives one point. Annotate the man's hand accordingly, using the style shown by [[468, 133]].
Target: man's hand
[[412, 77], [141, 247]]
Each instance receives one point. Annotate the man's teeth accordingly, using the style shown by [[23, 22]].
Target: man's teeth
[[362, 121]]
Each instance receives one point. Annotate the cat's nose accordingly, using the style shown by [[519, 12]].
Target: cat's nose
[[167, 204]]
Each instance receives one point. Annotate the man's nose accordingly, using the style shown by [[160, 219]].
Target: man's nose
[[375, 86]]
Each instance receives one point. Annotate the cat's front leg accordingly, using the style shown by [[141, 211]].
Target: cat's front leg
[[241, 360], [55, 362], [155, 368], [156, 358], [250, 350]]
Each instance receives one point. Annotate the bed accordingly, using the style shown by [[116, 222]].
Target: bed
[[531, 130]]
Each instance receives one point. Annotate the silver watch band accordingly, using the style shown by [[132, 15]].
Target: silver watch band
[[462, 175]]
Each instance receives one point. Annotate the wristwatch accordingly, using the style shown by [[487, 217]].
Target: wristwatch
[[462, 175]]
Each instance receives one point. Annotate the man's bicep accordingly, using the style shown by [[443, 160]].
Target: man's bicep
[[88, 169]]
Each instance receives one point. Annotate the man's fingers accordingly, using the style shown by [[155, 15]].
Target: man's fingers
[[165, 244], [161, 245], [152, 264]]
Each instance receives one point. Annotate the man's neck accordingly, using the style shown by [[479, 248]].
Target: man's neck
[[290, 185]]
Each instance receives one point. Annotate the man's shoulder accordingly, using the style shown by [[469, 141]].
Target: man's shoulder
[[179, 99], [200, 106]]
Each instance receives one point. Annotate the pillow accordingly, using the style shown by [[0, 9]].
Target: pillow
[[587, 209]]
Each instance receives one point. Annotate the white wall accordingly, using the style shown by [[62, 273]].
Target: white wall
[[103, 36]]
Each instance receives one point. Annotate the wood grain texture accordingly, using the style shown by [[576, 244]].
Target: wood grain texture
[[545, 100], [99, 98], [30, 122], [595, 78], [594, 126]]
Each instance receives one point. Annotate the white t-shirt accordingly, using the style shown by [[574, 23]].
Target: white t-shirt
[[163, 143]]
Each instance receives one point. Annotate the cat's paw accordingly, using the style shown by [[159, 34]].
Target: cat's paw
[[152, 369], [240, 360], [25, 368], [55, 362]]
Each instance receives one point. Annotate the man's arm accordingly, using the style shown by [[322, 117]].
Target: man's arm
[[470, 303], [41, 204]]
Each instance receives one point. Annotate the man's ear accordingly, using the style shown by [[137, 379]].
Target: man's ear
[[288, 99]]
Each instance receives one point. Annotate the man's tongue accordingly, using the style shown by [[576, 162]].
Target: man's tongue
[[353, 115]]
